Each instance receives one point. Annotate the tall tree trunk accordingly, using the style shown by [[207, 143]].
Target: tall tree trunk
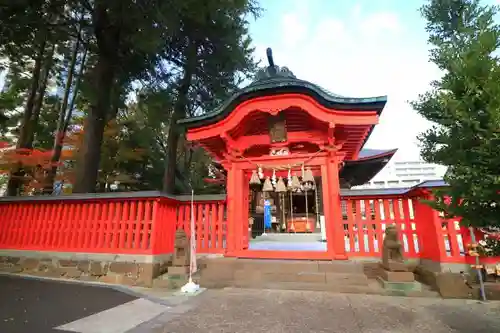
[[26, 128], [15, 179], [65, 114], [107, 36], [188, 158], [88, 168], [178, 113], [37, 107], [114, 104]]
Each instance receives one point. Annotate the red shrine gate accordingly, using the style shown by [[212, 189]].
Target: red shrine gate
[[280, 122]]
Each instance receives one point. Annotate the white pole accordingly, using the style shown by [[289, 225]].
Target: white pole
[[192, 287], [192, 241]]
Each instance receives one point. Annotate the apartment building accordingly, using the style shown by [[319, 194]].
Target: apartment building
[[405, 174]]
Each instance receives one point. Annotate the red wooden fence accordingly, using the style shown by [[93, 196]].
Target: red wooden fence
[[210, 224], [456, 238], [109, 226], [365, 221], [121, 225], [423, 231], [145, 223]]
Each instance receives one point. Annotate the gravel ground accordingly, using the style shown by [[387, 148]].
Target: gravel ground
[[242, 311]]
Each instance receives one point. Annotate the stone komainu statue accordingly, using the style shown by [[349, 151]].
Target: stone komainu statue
[[392, 248], [181, 249]]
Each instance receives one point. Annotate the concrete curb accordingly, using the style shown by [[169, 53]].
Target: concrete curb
[[124, 289]]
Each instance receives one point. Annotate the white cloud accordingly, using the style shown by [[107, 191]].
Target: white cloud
[[356, 11], [362, 55], [382, 22], [294, 30], [330, 31], [295, 24]]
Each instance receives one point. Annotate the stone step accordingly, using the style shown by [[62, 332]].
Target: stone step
[[368, 289], [308, 277], [331, 276], [292, 238], [347, 279], [423, 293], [284, 266], [223, 269], [224, 272], [372, 288]]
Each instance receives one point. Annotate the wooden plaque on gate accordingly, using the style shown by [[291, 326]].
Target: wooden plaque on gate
[[277, 128]]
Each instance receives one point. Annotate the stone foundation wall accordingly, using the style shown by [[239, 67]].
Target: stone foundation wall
[[449, 284], [127, 270]]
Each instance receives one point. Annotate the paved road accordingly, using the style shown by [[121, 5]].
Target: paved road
[[28, 306], [242, 311]]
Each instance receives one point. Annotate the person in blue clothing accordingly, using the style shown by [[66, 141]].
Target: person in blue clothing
[[267, 215]]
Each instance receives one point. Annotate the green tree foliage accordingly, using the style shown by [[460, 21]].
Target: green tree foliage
[[144, 126], [32, 36], [464, 105], [78, 58], [212, 50], [128, 37]]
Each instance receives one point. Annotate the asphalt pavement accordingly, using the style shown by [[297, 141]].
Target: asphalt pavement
[[29, 305]]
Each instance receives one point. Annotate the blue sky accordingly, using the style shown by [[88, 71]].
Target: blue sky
[[356, 48]]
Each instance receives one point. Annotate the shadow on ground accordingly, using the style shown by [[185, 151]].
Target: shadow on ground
[[29, 305]]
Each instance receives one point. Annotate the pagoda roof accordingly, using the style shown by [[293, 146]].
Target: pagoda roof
[[369, 153], [371, 192], [369, 163], [275, 80]]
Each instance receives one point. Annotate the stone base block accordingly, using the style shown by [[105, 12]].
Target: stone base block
[[492, 291], [178, 270], [452, 285], [396, 276], [394, 266], [400, 287]]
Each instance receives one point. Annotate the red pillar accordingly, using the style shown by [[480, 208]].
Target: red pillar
[[325, 178], [332, 209], [235, 202], [230, 199], [430, 234], [238, 203], [245, 189]]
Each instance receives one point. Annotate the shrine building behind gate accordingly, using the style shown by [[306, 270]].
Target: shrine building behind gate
[[295, 145], [288, 152]]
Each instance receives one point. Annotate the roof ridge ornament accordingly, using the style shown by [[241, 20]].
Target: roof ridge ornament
[[273, 71], [271, 68]]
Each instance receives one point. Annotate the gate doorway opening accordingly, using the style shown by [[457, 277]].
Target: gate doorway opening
[[294, 222]]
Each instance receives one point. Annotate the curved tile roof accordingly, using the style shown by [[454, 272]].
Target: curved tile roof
[[369, 153], [274, 80], [368, 164]]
